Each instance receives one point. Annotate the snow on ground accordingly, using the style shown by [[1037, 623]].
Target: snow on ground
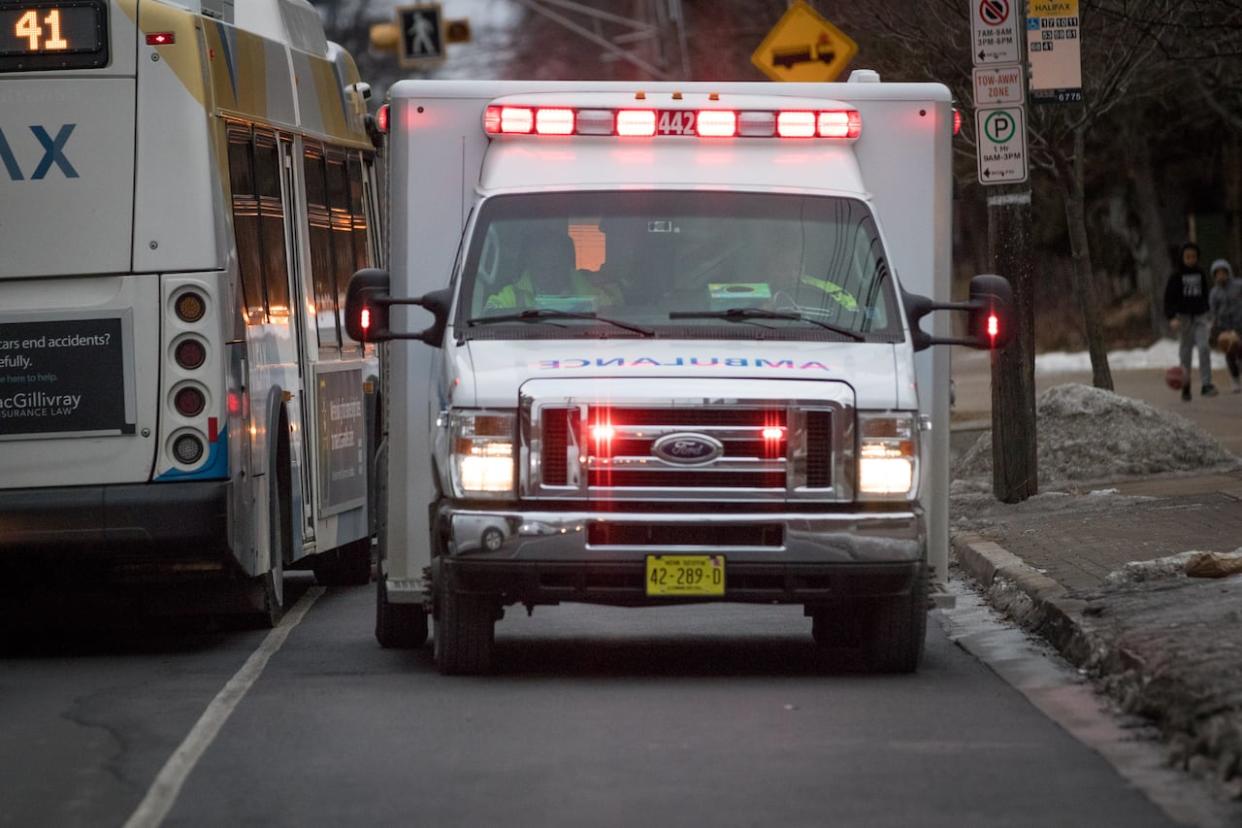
[[1172, 566], [1161, 355], [1087, 434]]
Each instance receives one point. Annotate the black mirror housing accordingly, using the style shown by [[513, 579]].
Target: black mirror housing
[[366, 314], [991, 320], [990, 324], [367, 304]]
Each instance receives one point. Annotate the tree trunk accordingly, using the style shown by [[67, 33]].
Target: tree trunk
[[1147, 204], [1084, 276], [1015, 470]]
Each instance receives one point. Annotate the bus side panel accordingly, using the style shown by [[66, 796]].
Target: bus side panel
[[178, 176]]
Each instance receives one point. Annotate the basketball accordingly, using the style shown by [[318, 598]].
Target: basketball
[[1175, 378], [1228, 341]]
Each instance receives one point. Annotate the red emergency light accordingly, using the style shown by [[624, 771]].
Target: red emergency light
[[382, 118], [840, 124], [636, 122]]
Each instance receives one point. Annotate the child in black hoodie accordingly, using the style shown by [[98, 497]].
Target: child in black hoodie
[[1186, 306]]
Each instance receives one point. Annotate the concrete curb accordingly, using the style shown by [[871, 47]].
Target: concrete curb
[[1032, 599], [1207, 743]]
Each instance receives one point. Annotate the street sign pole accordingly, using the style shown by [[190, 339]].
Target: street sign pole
[[1000, 136]]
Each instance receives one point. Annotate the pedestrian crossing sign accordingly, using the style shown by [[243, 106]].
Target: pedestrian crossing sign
[[422, 35], [804, 47]]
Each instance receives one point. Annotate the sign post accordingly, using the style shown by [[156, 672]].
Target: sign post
[[1000, 138]]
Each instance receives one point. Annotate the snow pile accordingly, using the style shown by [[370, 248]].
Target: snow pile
[[1086, 433], [1161, 355], [1173, 566]]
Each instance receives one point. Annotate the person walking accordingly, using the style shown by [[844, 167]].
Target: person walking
[[1186, 307], [1225, 303]]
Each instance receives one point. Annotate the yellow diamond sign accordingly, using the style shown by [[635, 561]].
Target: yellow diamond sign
[[804, 47]]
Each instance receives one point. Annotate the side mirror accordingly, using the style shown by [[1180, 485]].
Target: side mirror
[[991, 320], [367, 301], [990, 325]]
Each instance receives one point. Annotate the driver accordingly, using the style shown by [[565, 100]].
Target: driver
[[549, 257]]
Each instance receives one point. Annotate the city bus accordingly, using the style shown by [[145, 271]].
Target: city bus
[[186, 187]]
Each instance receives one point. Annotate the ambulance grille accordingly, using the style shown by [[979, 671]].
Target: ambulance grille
[[696, 450]]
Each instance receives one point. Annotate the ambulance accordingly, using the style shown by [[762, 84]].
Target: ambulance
[[669, 350]]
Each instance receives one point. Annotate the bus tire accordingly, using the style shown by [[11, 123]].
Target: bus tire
[[280, 477], [894, 642], [398, 626], [465, 633]]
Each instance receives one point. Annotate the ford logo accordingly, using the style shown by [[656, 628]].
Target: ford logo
[[687, 449]]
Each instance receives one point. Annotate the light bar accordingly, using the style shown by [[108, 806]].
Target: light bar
[[840, 124], [795, 124], [554, 121], [837, 124], [716, 123], [636, 122]]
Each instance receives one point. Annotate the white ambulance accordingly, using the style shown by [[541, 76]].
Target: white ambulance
[[675, 354]]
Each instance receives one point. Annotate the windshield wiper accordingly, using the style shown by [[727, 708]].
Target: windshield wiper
[[543, 315], [748, 314]]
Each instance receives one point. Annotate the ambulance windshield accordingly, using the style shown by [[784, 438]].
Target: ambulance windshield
[[680, 263]]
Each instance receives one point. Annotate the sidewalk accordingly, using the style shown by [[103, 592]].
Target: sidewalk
[[1169, 648]]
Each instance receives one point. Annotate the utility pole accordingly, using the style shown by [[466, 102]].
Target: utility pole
[[1015, 464], [1000, 127]]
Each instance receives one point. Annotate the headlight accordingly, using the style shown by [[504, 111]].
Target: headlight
[[887, 455], [483, 453]]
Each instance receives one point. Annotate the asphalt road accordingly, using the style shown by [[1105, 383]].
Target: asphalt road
[[715, 715]]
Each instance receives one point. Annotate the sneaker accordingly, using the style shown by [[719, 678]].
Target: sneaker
[[1185, 393], [1210, 391]]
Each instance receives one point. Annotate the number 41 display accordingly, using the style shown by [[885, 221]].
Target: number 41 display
[[29, 28]]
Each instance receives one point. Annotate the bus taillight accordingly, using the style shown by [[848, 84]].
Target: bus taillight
[[190, 354]]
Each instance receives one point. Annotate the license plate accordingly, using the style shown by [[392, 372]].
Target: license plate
[[685, 575]]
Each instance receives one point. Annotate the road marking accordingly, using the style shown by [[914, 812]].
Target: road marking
[[167, 786]]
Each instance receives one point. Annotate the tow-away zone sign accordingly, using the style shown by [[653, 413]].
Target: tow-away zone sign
[[1001, 136]]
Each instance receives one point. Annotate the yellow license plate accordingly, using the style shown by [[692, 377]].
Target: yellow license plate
[[685, 575]]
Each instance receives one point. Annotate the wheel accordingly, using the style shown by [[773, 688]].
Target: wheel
[[839, 626], [398, 626], [280, 531], [348, 566], [894, 642], [465, 633]]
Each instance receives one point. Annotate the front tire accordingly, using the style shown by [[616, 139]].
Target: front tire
[[895, 640], [465, 633], [397, 626]]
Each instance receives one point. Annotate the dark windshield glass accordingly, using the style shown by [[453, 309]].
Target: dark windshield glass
[[639, 257]]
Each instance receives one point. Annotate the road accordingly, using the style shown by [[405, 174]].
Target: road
[[719, 715]]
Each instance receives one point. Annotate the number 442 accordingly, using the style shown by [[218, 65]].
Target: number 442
[[29, 28]]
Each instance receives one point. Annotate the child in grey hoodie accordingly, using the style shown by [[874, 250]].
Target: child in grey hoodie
[[1225, 302]]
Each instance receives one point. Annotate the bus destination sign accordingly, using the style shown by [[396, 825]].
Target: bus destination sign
[[43, 35]]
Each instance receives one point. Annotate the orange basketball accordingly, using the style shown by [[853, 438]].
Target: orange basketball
[[1175, 378]]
